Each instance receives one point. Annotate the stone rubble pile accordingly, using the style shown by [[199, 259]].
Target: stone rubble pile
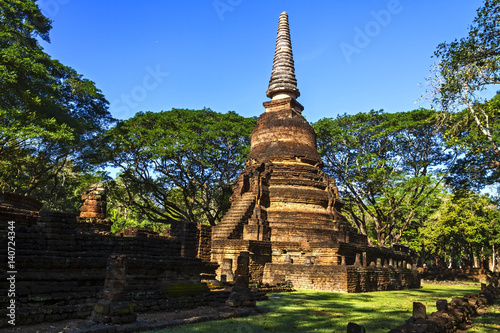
[[450, 316]]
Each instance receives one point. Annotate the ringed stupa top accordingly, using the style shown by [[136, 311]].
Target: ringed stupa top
[[283, 82], [282, 134]]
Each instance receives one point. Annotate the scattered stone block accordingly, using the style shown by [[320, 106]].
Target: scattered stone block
[[355, 328], [442, 305], [419, 311]]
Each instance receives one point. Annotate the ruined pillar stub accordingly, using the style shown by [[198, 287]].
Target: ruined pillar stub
[[419, 311], [442, 305], [227, 274], [241, 275], [116, 274], [241, 294], [357, 261], [113, 307], [355, 328], [94, 202]]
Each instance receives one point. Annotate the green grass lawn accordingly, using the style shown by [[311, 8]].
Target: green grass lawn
[[310, 311]]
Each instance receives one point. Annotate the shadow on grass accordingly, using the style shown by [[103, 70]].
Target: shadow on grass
[[309, 311]]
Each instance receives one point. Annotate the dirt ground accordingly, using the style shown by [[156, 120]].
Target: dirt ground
[[145, 321]]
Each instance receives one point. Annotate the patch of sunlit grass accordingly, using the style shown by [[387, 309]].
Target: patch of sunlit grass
[[312, 311]]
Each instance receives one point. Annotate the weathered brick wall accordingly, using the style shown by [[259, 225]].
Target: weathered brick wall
[[339, 278], [314, 277], [19, 202], [364, 279], [61, 269], [204, 242], [259, 256], [454, 274]]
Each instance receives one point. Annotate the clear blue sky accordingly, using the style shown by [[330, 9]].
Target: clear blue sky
[[155, 55]]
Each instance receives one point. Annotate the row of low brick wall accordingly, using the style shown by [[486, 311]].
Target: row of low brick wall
[[450, 317], [455, 274], [364, 279], [325, 278], [340, 278], [61, 268]]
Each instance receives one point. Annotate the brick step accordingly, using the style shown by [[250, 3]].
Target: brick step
[[241, 208], [233, 220], [231, 224]]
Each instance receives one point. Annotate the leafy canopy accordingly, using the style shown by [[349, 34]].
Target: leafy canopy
[[388, 167], [180, 163], [464, 225], [476, 167], [49, 114]]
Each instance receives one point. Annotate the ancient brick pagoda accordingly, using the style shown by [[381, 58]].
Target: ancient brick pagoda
[[286, 212]]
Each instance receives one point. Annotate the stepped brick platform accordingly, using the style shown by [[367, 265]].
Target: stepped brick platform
[[286, 212]]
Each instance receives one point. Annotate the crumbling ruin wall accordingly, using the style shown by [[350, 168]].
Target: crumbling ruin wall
[[332, 278], [61, 268], [94, 202], [456, 274], [364, 279], [204, 242], [339, 278]]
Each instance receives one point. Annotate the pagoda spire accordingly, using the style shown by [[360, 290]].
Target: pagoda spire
[[283, 83]]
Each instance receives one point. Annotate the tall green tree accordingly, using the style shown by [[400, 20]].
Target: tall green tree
[[464, 227], [180, 163], [466, 68], [49, 114], [388, 167], [476, 166]]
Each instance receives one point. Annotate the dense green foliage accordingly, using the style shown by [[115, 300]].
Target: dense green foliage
[[476, 166], [49, 114], [388, 167], [122, 214], [180, 163], [464, 226], [312, 311]]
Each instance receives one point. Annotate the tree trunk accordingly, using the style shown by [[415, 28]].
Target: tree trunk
[[494, 259]]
